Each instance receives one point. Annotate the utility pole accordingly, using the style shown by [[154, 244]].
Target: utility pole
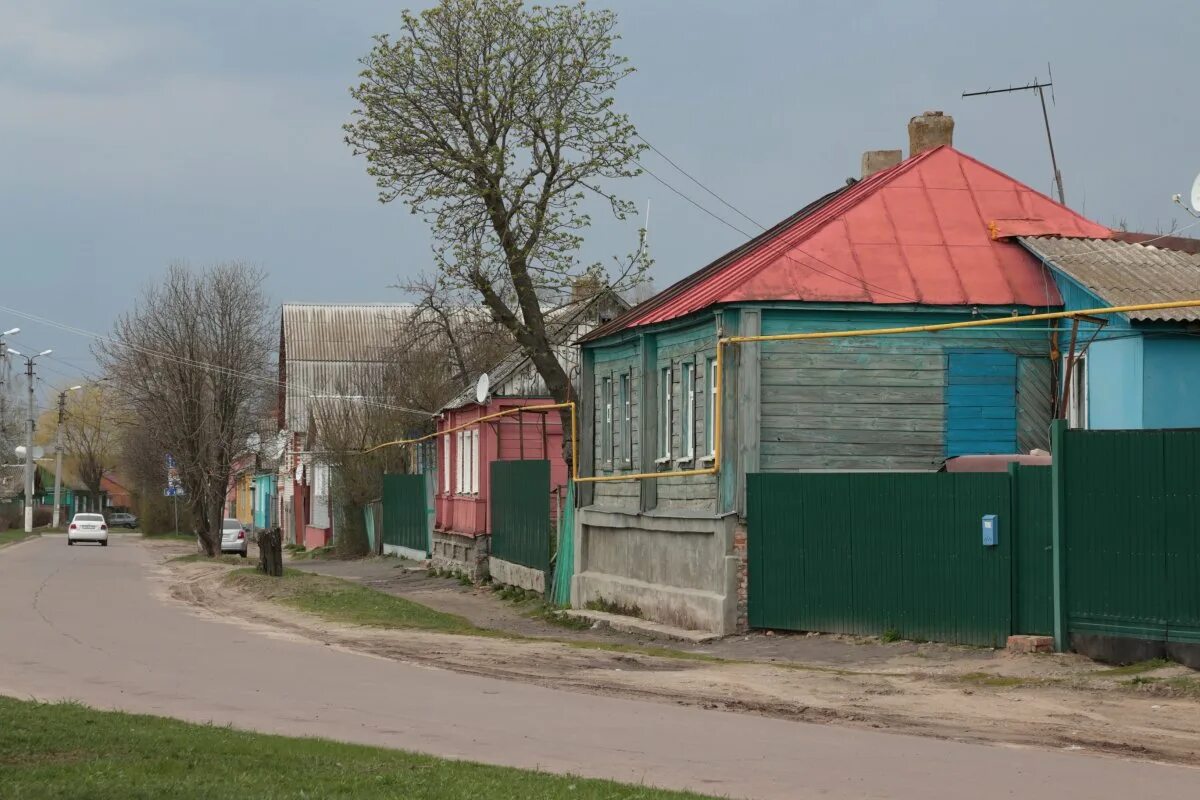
[[29, 500], [1039, 87], [58, 451]]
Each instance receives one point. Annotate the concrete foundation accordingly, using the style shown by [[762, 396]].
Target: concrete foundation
[[676, 568], [510, 574], [460, 552]]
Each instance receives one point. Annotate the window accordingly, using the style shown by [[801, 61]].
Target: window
[[606, 421], [460, 464], [626, 410], [710, 409], [664, 413], [1077, 405], [446, 487], [474, 478], [687, 416]]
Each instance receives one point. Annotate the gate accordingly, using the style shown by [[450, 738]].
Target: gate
[[406, 529], [1131, 514], [520, 505], [877, 553]]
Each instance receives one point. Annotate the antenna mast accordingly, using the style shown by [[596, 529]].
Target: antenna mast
[[1039, 87]]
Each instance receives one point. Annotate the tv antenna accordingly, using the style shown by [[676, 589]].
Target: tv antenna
[[1039, 87]]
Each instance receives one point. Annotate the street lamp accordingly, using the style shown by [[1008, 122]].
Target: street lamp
[[62, 413], [29, 436]]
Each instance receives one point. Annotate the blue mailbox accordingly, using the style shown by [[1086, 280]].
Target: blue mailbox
[[991, 530]]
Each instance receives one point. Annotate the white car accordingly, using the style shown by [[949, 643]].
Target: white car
[[88, 528], [233, 537]]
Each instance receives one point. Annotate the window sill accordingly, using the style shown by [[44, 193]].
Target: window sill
[[679, 462], [709, 459], [663, 460]]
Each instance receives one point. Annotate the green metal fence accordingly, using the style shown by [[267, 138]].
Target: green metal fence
[[520, 506], [405, 518], [1131, 533], [879, 553], [1033, 585]]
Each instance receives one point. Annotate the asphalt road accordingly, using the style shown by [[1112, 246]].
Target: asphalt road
[[88, 623]]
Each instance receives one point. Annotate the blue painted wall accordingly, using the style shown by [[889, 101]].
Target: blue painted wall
[[1171, 368], [1115, 384], [981, 403]]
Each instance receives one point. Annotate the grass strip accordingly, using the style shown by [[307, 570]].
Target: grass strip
[[66, 750]]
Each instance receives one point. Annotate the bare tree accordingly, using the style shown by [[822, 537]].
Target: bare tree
[[348, 425], [494, 120], [91, 433], [444, 346], [189, 362]]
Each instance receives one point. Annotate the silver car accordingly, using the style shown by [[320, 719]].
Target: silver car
[[234, 537]]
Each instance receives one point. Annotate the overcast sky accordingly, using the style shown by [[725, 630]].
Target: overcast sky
[[134, 133]]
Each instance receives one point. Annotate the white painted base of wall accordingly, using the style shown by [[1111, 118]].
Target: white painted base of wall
[[404, 552], [510, 574]]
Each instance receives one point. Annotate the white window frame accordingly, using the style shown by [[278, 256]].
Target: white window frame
[[1077, 399], [627, 416], [475, 461], [460, 464], [665, 420], [687, 410], [447, 481], [606, 421], [710, 408]]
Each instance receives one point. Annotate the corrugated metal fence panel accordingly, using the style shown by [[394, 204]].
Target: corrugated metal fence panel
[[520, 507], [405, 520], [1033, 587], [1116, 520], [1181, 507], [1035, 403], [871, 553]]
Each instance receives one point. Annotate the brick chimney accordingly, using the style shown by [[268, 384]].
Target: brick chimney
[[931, 129], [875, 160]]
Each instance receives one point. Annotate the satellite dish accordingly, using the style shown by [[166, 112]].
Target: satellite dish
[[1196, 194], [481, 388], [38, 452]]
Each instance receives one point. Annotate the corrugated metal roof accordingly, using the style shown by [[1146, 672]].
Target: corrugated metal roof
[[349, 332], [930, 230], [1126, 273]]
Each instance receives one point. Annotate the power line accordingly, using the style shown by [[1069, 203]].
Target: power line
[[188, 362], [852, 280]]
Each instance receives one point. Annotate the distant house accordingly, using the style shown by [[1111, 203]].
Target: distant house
[[926, 240], [462, 497], [325, 350], [1142, 369]]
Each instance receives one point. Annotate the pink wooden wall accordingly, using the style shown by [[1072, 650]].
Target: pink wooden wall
[[531, 435]]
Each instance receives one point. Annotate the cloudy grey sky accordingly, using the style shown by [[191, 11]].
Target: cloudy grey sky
[[134, 133]]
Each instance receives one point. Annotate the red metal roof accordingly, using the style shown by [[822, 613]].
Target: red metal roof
[[931, 230]]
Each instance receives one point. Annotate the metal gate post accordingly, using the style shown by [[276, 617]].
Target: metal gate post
[[1058, 536]]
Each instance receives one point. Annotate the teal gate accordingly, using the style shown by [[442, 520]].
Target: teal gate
[[405, 518], [520, 505]]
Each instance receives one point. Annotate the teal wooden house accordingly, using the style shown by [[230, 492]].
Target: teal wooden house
[[931, 239]]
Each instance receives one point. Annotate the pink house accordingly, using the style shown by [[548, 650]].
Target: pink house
[[462, 523]]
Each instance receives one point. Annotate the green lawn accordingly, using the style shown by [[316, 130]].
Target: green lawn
[[339, 600], [11, 537], [70, 751]]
